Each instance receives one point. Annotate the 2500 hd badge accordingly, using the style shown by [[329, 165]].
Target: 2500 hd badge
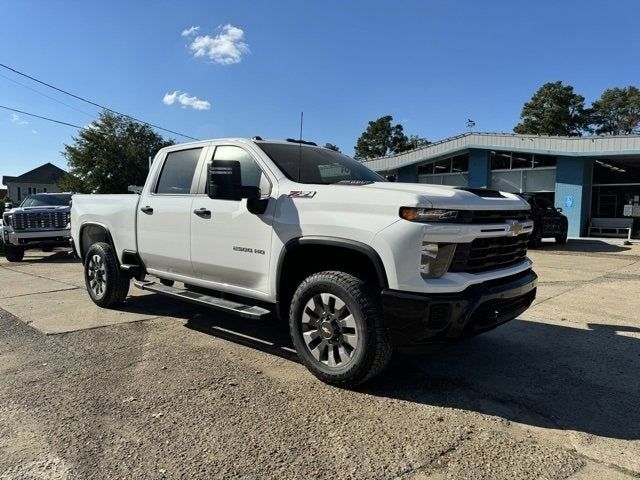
[[248, 250]]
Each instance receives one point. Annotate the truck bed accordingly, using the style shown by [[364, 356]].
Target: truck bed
[[115, 212]]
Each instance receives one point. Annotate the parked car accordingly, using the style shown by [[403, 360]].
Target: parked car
[[41, 221], [547, 219], [357, 265]]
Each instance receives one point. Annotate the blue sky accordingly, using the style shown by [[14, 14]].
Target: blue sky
[[430, 64]]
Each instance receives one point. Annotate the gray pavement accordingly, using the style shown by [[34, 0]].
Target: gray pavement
[[162, 389]]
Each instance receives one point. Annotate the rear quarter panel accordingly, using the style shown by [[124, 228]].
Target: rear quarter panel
[[116, 213]]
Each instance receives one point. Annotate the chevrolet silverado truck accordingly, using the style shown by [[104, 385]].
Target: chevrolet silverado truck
[[40, 222], [356, 265]]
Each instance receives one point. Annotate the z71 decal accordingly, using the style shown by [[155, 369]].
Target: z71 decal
[[301, 194]]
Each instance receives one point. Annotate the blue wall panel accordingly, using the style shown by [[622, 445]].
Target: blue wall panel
[[573, 192], [479, 169]]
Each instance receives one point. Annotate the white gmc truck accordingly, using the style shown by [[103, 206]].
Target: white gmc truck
[[356, 264]]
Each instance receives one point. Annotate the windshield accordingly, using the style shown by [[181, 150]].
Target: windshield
[[317, 165], [50, 200]]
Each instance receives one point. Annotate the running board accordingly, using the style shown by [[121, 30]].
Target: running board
[[246, 311]]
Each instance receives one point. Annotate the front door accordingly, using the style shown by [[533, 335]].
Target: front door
[[230, 245], [164, 216]]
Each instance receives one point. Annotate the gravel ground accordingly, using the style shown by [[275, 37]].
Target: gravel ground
[[204, 395]]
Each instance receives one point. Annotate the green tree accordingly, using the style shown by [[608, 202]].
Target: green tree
[[112, 153], [381, 138], [555, 109], [416, 141], [331, 146], [617, 112], [71, 183]]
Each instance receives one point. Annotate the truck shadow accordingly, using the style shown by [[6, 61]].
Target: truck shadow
[[533, 373]]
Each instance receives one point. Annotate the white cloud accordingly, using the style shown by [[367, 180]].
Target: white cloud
[[15, 118], [34, 131], [185, 100], [226, 48], [187, 32]]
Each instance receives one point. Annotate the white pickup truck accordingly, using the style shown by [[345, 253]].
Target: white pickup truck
[[356, 264]]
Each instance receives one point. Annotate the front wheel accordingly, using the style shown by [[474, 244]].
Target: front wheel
[[106, 284], [562, 238], [13, 254], [337, 329], [536, 237]]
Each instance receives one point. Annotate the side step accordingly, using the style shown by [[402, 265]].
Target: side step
[[246, 311]]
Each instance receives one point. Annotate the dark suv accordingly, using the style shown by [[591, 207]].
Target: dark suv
[[548, 221]]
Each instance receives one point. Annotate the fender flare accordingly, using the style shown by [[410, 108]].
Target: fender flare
[[334, 242]]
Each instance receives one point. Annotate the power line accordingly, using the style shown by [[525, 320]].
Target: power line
[[91, 102], [47, 96], [41, 117]]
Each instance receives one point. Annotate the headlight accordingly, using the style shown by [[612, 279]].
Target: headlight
[[435, 259], [6, 218], [418, 214]]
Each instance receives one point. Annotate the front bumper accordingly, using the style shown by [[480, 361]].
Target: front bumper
[[414, 318], [38, 239]]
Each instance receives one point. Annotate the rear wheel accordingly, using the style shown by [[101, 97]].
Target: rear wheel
[[13, 254], [336, 328], [106, 284]]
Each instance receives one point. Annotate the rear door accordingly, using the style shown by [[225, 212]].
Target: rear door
[[164, 213], [230, 245]]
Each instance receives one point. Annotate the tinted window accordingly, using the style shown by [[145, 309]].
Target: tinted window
[[543, 203], [177, 172], [46, 200], [521, 160], [426, 169], [544, 161], [500, 160], [317, 165], [442, 166], [460, 163], [249, 170]]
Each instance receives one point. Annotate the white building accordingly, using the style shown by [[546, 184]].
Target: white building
[[43, 179]]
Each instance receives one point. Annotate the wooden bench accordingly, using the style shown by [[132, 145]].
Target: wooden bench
[[611, 227]]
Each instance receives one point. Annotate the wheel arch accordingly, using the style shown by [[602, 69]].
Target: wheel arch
[[90, 233], [322, 253]]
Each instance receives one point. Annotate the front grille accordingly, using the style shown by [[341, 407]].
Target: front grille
[[492, 216], [40, 220], [489, 253]]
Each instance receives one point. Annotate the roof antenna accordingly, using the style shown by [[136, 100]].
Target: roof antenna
[[300, 147]]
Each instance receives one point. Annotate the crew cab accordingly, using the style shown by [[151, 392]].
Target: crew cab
[[356, 265], [40, 222]]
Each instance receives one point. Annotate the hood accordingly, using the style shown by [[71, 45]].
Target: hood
[[443, 196], [55, 208]]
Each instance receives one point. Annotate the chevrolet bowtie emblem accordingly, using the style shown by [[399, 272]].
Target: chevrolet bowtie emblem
[[515, 228]]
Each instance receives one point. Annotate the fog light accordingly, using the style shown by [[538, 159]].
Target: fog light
[[435, 259]]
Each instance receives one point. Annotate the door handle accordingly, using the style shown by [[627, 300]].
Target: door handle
[[202, 212], [148, 210]]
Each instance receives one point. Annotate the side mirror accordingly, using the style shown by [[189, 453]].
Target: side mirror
[[8, 206], [559, 210], [225, 182]]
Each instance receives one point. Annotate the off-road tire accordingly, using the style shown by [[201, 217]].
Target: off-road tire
[[374, 348], [536, 238], [562, 238], [13, 254], [116, 284]]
